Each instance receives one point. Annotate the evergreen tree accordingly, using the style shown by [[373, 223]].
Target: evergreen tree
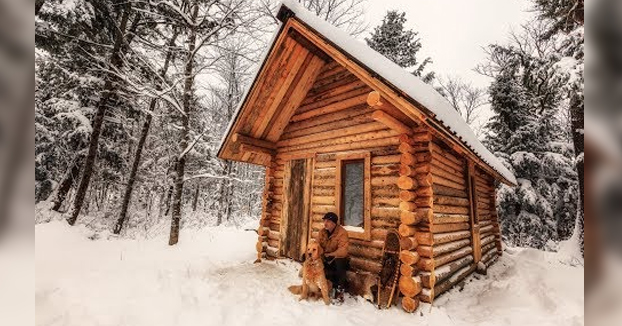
[[526, 98], [399, 45]]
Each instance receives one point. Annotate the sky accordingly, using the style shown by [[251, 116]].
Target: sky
[[454, 32]]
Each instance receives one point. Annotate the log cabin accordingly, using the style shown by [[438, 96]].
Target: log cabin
[[340, 128]]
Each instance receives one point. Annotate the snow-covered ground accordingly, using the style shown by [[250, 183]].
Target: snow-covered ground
[[210, 278]]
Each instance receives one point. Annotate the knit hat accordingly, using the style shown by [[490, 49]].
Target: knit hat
[[331, 217]]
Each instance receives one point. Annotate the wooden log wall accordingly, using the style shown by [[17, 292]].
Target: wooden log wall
[[416, 203], [268, 244], [446, 251], [333, 120], [490, 234]]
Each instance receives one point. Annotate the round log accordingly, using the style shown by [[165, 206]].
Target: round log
[[425, 214], [407, 183], [408, 206], [425, 191], [422, 137], [424, 180], [409, 257], [405, 147], [374, 99], [409, 218], [407, 171], [407, 195], [408, 159], [406, 231], [406, 243], [425, 202], [410, 304], [407, 270], [410, 286]]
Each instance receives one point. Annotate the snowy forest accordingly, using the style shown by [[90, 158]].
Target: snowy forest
[[133, 97], [139, 222]]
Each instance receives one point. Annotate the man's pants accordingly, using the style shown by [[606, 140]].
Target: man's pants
[[336, 272]]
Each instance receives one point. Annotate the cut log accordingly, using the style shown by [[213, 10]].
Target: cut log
[[425, 191], [441, 287], [368, 253], [422, 137], [451, 201], [408, 257], [448, 191], [407, 195], [391, 122], [405, 147], [366, 265], [452, 256], [447, 183], [435, 251], [407, 171], [410, 304], [445, 271], [242, 139], [451, 236], [408, 159], [386, 213], [247, 148], [425, 214], [425, 202], [406, 183], [408, 206], [406, 231], [443, 228], [272, 252], [385, 159], [424, 180], [407, 270], [409, 218], [440, 218], [410, 286]]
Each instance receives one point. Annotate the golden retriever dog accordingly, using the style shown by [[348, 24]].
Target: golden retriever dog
[[314, 282]]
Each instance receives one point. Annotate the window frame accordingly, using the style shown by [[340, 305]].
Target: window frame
[[343, 159]]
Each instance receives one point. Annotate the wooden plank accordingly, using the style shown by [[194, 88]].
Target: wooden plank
[[391, 122], [270, 106], [331, 134], [360, 119], [328, 118], [293, 98]]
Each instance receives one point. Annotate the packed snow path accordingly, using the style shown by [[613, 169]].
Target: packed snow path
[[209, 278]]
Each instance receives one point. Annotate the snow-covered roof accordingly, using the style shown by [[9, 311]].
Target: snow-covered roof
[[422, 93], [413, 86]]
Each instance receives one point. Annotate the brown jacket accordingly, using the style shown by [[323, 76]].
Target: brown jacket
[[337, 244]]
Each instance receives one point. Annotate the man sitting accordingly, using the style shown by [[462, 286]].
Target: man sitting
[[334, 241]]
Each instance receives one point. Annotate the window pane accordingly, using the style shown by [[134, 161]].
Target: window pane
[[353, 189]]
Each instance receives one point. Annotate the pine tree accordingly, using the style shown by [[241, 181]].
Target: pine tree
[[526, 98], [567, 17], [399, 45]]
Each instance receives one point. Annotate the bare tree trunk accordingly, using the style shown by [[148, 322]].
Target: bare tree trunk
[[141, 142], [109, 88], [577, 123], [185, 125], [72, 174], [169, 196], [196, 198]]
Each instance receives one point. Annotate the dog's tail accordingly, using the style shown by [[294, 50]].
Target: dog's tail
[[295, 289]]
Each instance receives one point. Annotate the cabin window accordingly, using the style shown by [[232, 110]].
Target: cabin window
[[353, 194], [353, 185]]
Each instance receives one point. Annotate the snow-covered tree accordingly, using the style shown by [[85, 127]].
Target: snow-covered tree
[[399, 45], [526, 132]]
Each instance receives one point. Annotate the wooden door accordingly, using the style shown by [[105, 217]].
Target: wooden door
[[296, 208]]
